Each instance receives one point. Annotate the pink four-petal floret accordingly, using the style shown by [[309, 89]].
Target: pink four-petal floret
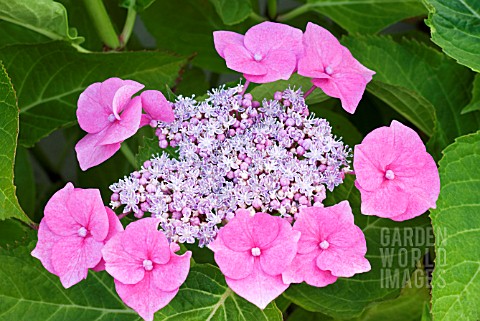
[[396, 176], [330, 246], [73, 232], [268, 51], [333, 67], [147, 272], [253, 252]]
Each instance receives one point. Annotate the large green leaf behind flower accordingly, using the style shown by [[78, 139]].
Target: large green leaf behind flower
[[456, 223]]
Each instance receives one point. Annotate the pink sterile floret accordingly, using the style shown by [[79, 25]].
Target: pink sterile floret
[[107, 112], [253, 252], [333, 67], [330, 246], [396, 176], [268, 51], [73, 232], [147, 272]]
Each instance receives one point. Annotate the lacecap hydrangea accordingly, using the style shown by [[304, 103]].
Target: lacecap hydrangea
[[244, 176]]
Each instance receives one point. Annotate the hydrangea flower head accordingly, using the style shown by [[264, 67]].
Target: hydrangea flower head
[[333, 67], [252, 252], [147, 272], [396, 176], [268, 51], [73, 232], [330, 246], [109, 115], [234, 152]]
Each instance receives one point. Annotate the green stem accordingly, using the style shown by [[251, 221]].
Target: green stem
[[256, 17], [102, 23], [127, 152], [129, 23], [272, 9], [294, 13]]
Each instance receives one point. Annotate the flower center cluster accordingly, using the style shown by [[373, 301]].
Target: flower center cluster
[[256, 251], [389, 174], [324, 245], [257, 57], [234, 152], [82, 232], [328, 70], [147, 265]]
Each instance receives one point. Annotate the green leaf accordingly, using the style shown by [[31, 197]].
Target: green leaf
[[45, 17], [50, 77], [475, 102], [367, 16], [188, 29], [29, 292], [9, 206], [150, 148], [206, 296], [25, 181], [12, 231], [408, 306], [456, 224], [296, 81], [412, 78], [232, 11], [139, 5], [455, 26], [392, 251]]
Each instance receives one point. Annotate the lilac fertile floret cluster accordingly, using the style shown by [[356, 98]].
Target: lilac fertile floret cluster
[[234, 152]]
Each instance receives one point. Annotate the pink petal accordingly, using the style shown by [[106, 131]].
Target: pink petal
[[280, 64], [304, 268], [409, 152], [267, 36], [342, 263], [72, 256], [57, 216], [265, 229], [275, 259], [236, 235], [222, 39], [145, 120], [169, 276], [352, 64], [387, 201], [258, 288], [87, 209], [322, 50], [349, 87], [114, 227], [144, 297], [372, 157], [233, 264], [424, 190], [122, 129], [143, 240], [92, 116], [120, 264], [156, 106], [109, 89], [122, 98], [241, 60], [90, 153], [43, 250]]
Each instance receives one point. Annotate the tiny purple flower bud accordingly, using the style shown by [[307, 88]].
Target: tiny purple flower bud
[[248, 96], [114, 197], [139, 214], [278, 95], [284, 181], [163, 144], [147, 164]]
